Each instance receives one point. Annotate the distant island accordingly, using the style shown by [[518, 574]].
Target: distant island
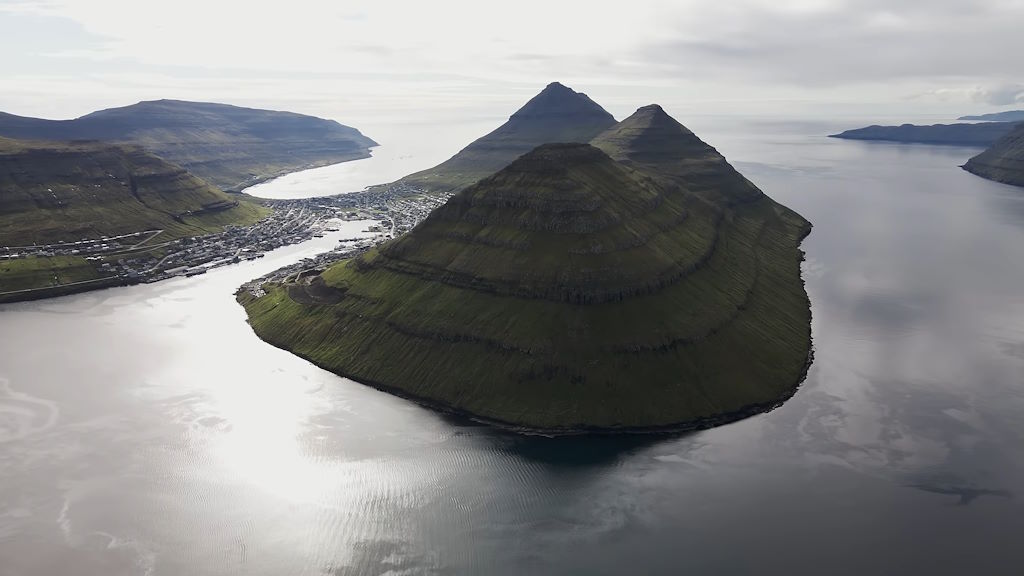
[[228, 146], [635, 283], [1008, 116], [980, 135], [1004, 161]]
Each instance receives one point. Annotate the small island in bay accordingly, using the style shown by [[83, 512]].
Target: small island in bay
[[1003, 161], [633, 283]]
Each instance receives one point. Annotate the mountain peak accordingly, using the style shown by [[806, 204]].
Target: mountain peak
[[649, 130], [561, 101], [652, 138], [651, 109], [556, 114]]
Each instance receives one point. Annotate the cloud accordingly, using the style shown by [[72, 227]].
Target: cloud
[[1004, 95], [847, 43], [709, 52], [995, 95]]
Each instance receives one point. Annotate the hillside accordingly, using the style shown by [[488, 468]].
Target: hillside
[[572, 293], [66, 192], [982, 134], [1007, 116], [1004, 161], [228, 146], [556, 114]]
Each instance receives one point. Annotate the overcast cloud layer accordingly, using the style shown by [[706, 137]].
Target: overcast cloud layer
[[411, 59]]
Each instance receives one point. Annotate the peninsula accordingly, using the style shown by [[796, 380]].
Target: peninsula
[[636, 284], [966, 134], [1004, 161], [228, 146]]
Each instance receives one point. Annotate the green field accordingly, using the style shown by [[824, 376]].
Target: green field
[[28, 273]]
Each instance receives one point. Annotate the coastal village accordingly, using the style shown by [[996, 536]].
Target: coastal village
[[142, 257]]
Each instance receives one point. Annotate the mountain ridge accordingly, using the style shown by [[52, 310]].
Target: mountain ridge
[[1006, 116], [229, 146]]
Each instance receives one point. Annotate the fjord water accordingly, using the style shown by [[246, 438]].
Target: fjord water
[[146, 430], [405, 148]]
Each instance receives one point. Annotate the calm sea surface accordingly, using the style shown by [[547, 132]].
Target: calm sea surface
[[146, 430]]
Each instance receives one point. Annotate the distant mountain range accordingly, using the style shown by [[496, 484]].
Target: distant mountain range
[[636, 283], [981, 135], [1004, 161], [1008, 116], [557, 114], [228, 146]]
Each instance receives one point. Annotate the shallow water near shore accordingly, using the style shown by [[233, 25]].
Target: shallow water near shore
[[146, 430]]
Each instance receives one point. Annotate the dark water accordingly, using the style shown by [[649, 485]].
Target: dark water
[[147, 431]]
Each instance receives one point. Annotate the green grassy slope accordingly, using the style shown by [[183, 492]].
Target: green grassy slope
[[53, 192], [557, 114], [29, 273], [228, 146], [571, 292], [1004, 161]]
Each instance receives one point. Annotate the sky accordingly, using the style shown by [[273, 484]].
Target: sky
[[416, 61]]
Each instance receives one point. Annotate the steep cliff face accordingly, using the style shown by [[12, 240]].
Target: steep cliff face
[[557, 114], [1004, 161], [60, 192], [229, 146], [573, 292]]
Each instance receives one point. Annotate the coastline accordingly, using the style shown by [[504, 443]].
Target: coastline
[[255, 180], [46, 292], [662, 429]]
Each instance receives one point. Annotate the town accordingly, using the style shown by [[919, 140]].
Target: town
[[142, 256]]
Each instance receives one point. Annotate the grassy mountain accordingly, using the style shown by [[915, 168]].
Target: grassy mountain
[[227, 146], [982, 134], [1007, 116], [53, 192], [557, 114], [655, 142], [1004, 161], [573, 292]]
